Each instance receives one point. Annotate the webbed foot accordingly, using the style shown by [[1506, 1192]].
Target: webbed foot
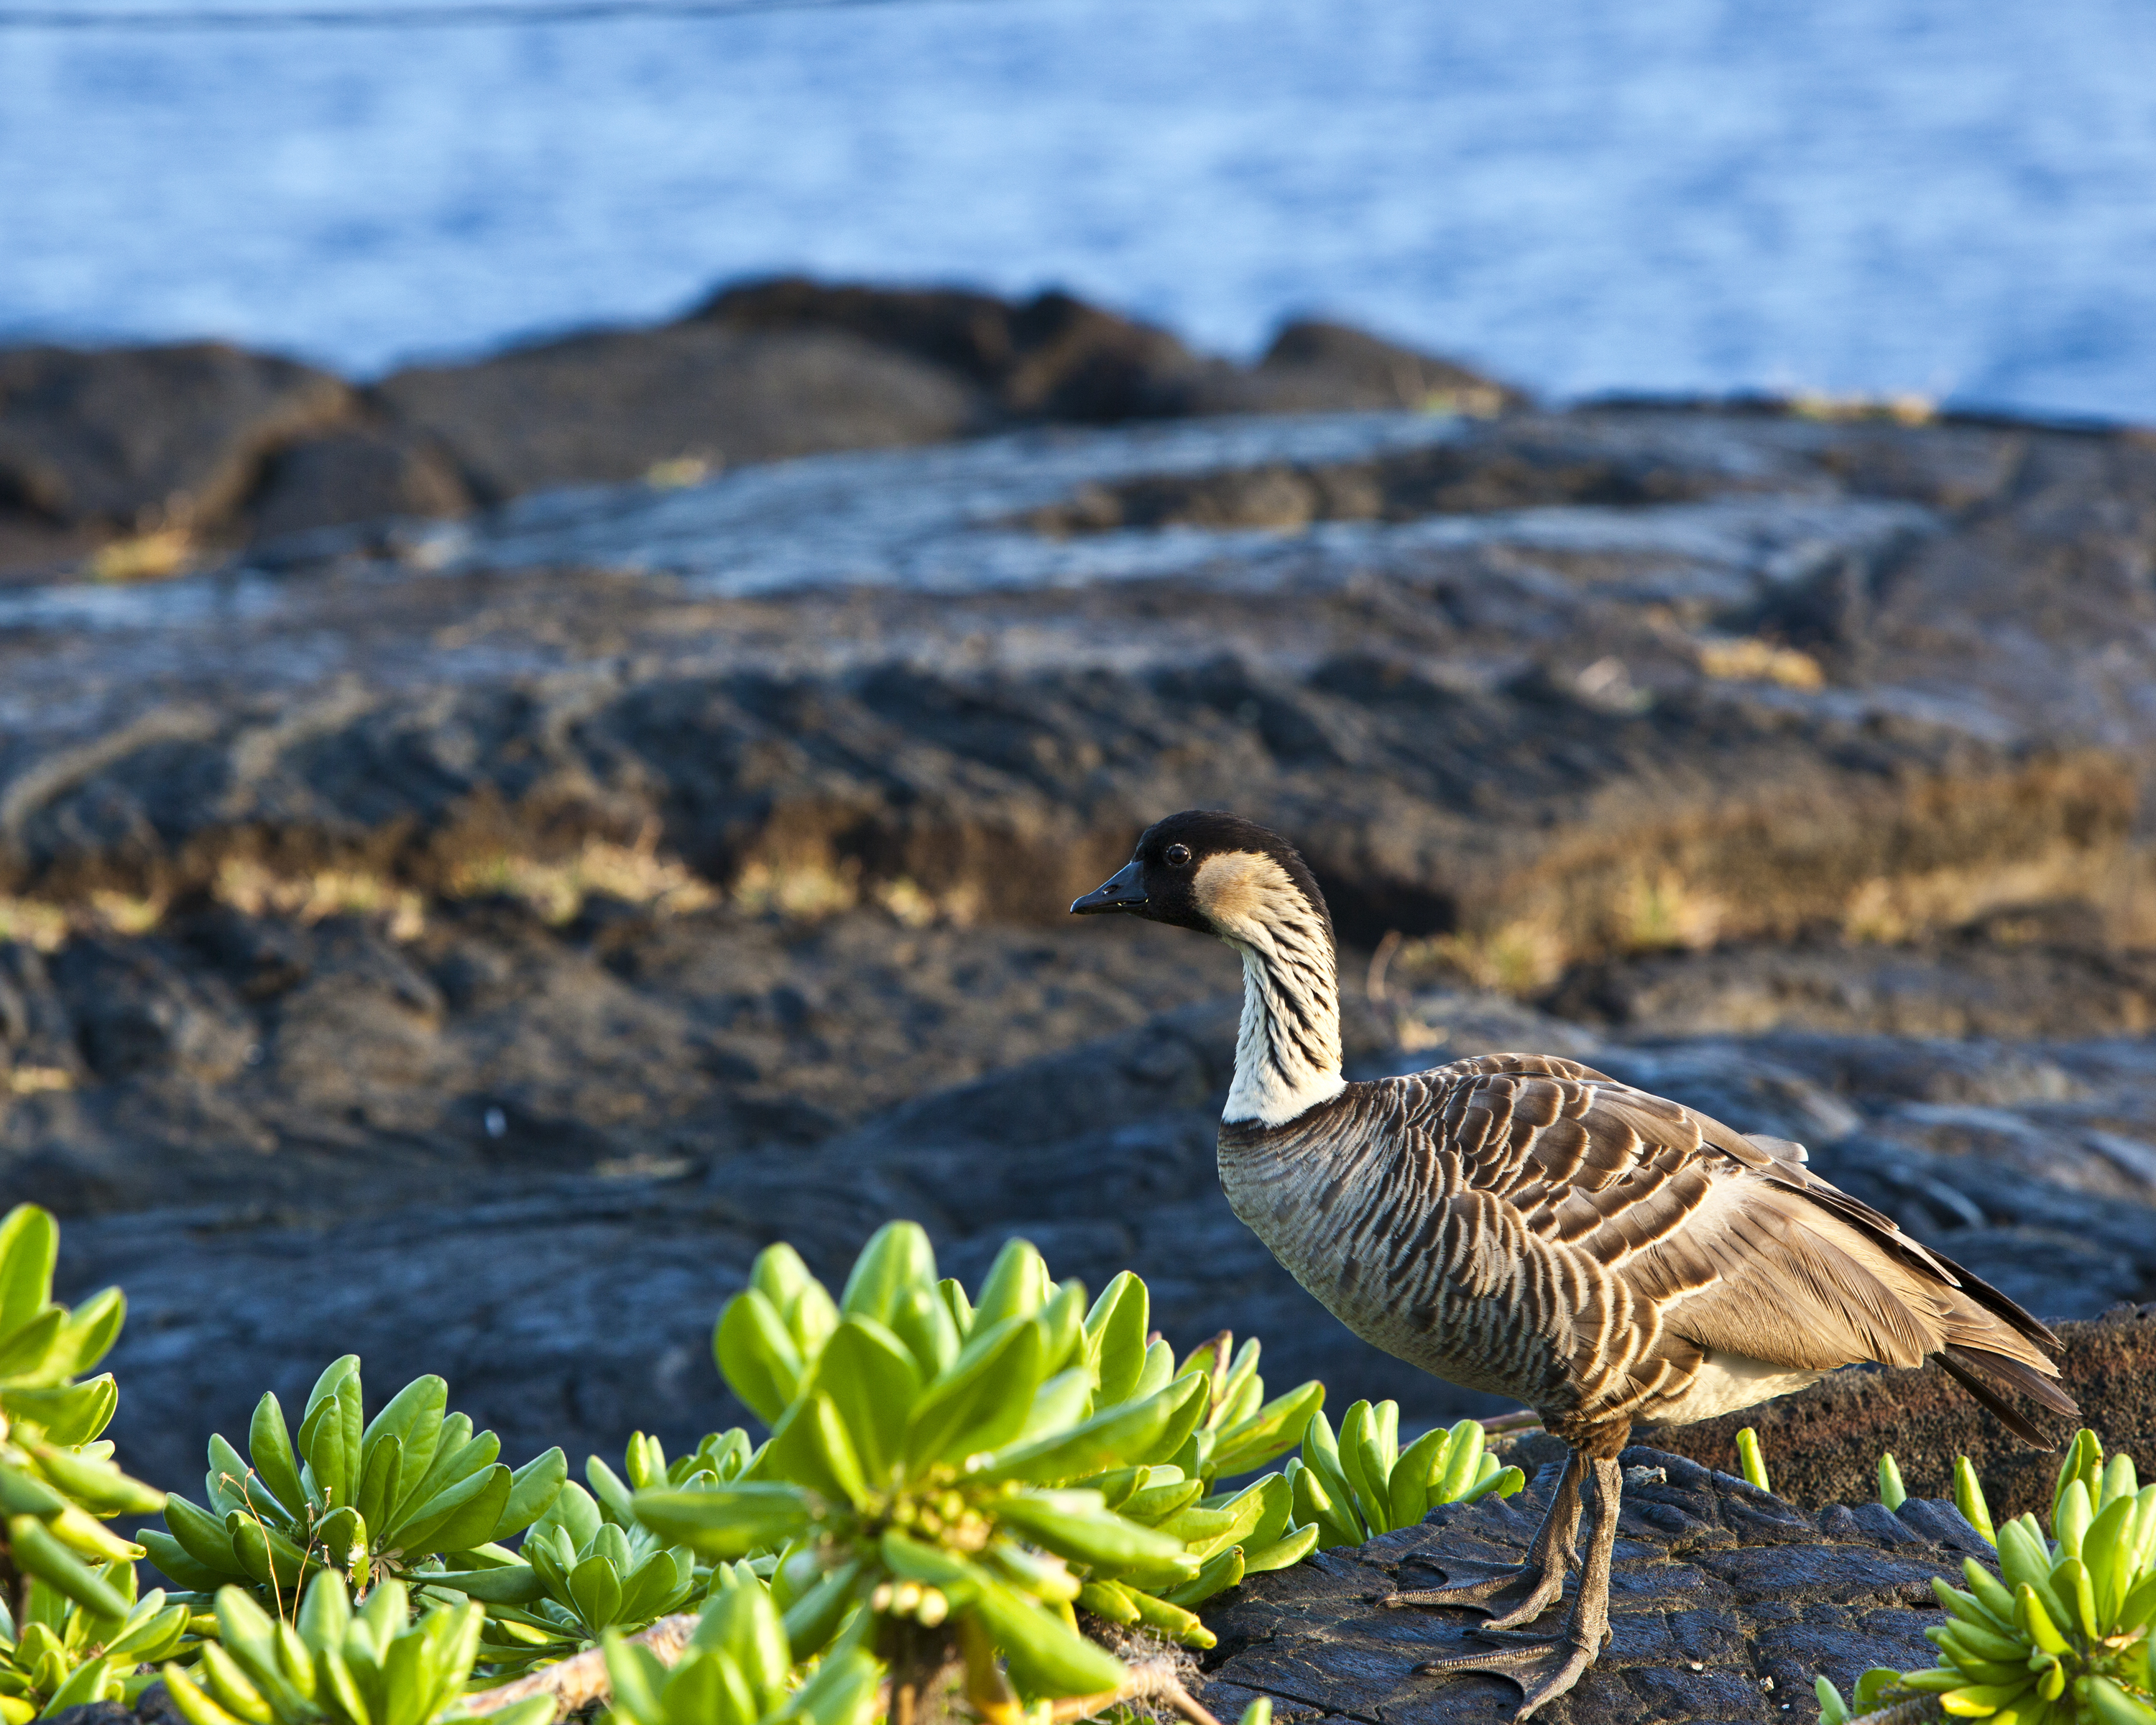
[[1543, 1669], [1512, 1594]]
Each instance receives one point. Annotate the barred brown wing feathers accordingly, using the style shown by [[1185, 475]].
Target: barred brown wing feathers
[[1515, 1066]]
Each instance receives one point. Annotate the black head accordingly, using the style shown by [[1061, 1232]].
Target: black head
[[1206, 870]]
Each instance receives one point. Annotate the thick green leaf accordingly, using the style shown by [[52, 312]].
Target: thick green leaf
[[897, 1258], [1130, 1431], [612, 1491], [923, 1322], [596, 1589], [841, 1692], [1017, 1286], [458, 1457], [68, 1413], [872, 1380], [37, 1552], [1156, 1372], [1320, 1454], [656, 1585], [754, 1636], [91, 1329], [574, 1511], [1271, 1432], [1063, 1325], [270, 1448], [1046, 1656], [201, 1536], [1077, 1525], [382, 1475], [813, 1619], [757, 1356], [810, 1447], [29, 1247], [28, 1353], [334, 1374], [91, 1482], [645, 1462], [414, 1417], [468, 1513], [1282, 1553], [511, 1584], [1116, 1334], [982, 1401], [728, 1521], [531, 1488], [175, 1565], [1223, 1570]]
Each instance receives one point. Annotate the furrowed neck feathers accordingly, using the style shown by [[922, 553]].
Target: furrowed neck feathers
[[1288, 1052]]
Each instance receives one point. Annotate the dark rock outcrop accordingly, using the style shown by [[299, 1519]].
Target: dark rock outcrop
[[1822, 1444], [220, 448], [1052, 357], [468, 946], [1314, 366], [1726, 1603], [601, 409], [138, 438]]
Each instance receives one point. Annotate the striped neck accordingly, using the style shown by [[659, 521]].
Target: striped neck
[[1287, 1053]]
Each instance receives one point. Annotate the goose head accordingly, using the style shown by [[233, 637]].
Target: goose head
[[1218, 873], [1243, 884]]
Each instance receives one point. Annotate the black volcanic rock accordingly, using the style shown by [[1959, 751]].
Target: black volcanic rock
[[1726, 1603], [130, 440], [612, 405]]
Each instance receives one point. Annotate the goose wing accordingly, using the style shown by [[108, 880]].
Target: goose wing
[[1731, 1245]]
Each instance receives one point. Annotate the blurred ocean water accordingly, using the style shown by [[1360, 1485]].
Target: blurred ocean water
[[1874, 195]]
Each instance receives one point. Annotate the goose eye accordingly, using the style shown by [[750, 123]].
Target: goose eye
[[1176, 855]]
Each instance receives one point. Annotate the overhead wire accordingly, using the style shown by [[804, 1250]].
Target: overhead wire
[[464, 15]]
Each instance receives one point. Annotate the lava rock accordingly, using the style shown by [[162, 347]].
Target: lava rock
[[1052, 358], [1726, 1603], [618, 405], [131, 439], [363, 472], [1822, 1443]]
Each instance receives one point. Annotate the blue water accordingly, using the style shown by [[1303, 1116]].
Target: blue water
[[1851, 195]]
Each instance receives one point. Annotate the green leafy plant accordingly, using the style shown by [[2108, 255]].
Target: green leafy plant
[[948, 1477], [63, 1653], [1364, 1484], [372, 1499], [1241, 1430], [2062, 1635], [738, 1669], [588, 1565], [67, 1586], [377, 1666]]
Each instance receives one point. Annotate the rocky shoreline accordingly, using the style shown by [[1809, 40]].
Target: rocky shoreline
[[461, 926], [142, 461]]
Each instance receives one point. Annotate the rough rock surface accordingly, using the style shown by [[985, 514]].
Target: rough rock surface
[[468, 944], [1726, 1603], [602, 409], [497, 1262], [222, 448], [148, 437], [1824, 1444]]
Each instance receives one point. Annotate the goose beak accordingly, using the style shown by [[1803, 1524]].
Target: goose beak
[[1124, 890]]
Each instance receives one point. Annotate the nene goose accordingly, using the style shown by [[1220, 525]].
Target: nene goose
[[1524, 1225]]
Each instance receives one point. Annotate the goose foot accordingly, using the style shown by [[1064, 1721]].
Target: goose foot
[[1512, 1594], [1543, 1669], [1546, 1669]]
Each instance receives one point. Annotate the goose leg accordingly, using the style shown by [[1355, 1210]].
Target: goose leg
[[1513, 1592], [1547, 1669]]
